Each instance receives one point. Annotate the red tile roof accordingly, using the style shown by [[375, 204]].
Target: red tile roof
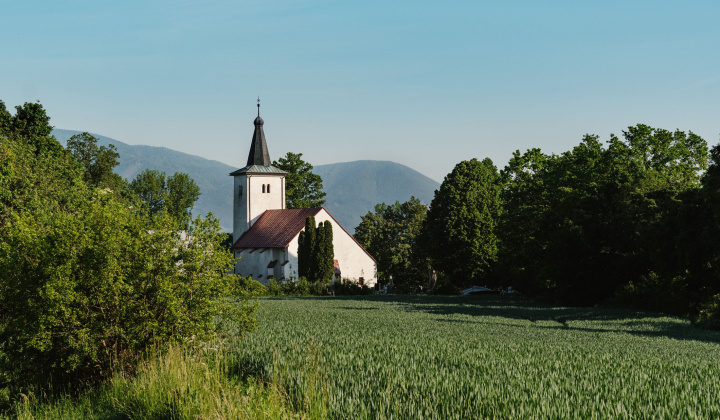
[[275, 228]]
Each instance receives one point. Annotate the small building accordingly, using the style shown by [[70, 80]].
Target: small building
[[265, 233]]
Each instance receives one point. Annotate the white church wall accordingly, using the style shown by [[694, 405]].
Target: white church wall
[[354, 262], [255, 263]]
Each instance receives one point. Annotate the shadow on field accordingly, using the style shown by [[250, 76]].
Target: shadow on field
[[596, 320]]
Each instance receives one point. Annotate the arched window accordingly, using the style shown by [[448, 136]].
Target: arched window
[[268, 189], [263, 188]]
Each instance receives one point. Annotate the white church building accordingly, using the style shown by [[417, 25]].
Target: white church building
[[265, 233]]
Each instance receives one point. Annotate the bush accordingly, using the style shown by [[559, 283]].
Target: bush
[[273, 288], [248, 287], [709, 314], [443, 286], [90, 291], [656, 293], [349, 288]]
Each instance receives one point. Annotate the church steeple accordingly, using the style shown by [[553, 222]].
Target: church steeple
[[259, 155]]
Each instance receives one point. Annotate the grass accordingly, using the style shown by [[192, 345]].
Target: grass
[[421, 357], [484, 357], [182, 384]]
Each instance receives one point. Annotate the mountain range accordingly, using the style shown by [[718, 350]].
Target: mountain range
[[352, 188]]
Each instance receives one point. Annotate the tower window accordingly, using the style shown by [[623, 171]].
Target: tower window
[[268, 188], [263, 188]]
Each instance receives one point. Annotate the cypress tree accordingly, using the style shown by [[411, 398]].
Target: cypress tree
[[317, 254], [327, 254], [302, 256], [306, 250]]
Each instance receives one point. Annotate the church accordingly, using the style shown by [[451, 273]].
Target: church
[[265, 233]]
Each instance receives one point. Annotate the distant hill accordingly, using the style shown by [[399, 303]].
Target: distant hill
[[353, 188]]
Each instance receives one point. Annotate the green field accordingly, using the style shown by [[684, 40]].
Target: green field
[[482, 357]]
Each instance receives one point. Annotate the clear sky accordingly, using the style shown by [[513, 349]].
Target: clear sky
[[423, 83]]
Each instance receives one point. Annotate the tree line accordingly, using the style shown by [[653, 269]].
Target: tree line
[[633, 220], [96, 271]]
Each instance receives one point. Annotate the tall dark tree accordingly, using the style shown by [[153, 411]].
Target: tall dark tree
[[306, 249], [582, 225], [317, 263], [303, 189], [460, 229], [326, 253], [316, 252]]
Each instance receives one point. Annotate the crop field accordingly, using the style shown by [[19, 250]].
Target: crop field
[[482, 357]]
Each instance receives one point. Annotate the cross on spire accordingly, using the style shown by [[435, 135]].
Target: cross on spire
[[258, 105]]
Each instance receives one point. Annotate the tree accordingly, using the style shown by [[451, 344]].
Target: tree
[[316, 252], [175, 195], [303, 189], [180, 197], [306, 248], [31, 125], [460, 229], [149, 187], [325, 253], [582, 225], [97, 162], [87, 285], [91, 290], [390, 234]]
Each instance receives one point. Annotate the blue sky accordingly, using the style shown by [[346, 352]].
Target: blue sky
[[425, 84]]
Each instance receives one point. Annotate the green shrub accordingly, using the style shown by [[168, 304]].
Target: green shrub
[[273, 288], [89, 292], [655, 293], [443, 286], [709, 314], [347, 287], [250, 288]]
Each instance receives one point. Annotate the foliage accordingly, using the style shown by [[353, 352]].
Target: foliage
[[97, 162], [347, 287], [31, 181], [709, 314], [390, 234], [325, 253], [316, 252], [86, 292], [303, 189], [175, 195], [247, 287], [582, 225], [273, 288], [459, 234], [86, 285], [443, 286]]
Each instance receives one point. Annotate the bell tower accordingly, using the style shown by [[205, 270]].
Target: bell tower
[[258, 186]]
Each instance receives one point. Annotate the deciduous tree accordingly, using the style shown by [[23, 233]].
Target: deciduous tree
[[460, 229], [303, 189]]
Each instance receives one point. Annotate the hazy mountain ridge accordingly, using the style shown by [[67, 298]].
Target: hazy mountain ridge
[[353, 188]]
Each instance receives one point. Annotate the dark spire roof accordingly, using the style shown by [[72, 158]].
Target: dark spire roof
[[259, 155], [259, 159]]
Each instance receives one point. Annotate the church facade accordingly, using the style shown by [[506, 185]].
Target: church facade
[[265, 233]]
